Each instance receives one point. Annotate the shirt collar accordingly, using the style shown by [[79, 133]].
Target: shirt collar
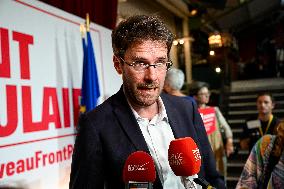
[[162, 114]]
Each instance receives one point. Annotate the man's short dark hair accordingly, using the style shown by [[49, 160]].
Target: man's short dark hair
[[266, 93], [137, 29]]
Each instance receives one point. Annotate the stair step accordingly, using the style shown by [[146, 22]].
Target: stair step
[[232, 121], [236, 140], [257, 85], [231, 184], [234, 176], [241, 104], [278, 94], [234, 172], [242, 97], [253, 96], [243, 152], [239, 164], [252, 112], [242, 112], [246, 104], [233, 179], [237, 130]]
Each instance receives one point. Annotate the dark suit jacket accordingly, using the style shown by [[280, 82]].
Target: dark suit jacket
[[110, 133]]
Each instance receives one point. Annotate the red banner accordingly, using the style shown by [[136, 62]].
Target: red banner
[[208, 116]]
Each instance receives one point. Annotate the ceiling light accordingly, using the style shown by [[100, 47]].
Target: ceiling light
[[215, 40], [212, 53], [181, 41], [218, 70], [193, 12]]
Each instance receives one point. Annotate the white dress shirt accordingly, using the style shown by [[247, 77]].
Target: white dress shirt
[[158, 135]]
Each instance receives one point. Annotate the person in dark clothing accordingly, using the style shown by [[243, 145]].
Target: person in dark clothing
[[263, 123], [139, 117], [174, 82]]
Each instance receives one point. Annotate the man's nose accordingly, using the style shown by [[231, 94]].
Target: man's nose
[[151, 73]]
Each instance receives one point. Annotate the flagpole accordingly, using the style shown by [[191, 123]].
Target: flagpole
[[83, 30], [87, 22]]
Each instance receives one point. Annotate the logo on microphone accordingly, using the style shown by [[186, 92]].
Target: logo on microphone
[[196, 154], [135, 167], [176, 159]]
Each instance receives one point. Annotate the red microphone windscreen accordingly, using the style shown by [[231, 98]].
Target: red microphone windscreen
[[139, 167], [184, 157]]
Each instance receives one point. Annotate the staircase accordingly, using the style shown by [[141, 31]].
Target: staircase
[[242, 105]]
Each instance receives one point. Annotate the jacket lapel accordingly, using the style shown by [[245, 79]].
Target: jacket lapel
[[178, 126], [128, 122]]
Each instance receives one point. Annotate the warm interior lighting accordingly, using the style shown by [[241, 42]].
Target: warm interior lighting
[[221, 40], [193, 12], [175, 42], [212, 53], [215, 40], [181, 41], [218, 70]]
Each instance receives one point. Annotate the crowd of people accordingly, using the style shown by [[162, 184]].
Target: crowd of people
[[150, 110], [262, 136]]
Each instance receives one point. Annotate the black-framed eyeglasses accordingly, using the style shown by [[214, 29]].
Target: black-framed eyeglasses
[[141, 66]]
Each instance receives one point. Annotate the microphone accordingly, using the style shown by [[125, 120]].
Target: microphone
[[139, 171], [202, 182], [185, 160], [184, 157]]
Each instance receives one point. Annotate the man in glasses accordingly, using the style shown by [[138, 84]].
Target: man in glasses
[[139, 116]]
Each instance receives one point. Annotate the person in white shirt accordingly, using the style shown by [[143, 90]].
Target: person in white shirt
[[139, 116]]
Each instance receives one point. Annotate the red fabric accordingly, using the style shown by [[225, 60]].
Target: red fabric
[[101, 12]]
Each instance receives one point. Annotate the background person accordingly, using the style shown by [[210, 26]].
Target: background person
[[174, 82], [138, 116], [263, 123], [200, 92], [264, 167]]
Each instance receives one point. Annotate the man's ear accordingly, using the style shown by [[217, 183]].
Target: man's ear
[[117, 64]]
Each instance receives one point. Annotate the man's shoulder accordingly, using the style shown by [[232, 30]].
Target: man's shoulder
[[178, 106], [176, 99], [104, 108], [276, 119]]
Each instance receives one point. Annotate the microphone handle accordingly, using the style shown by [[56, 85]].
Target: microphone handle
[[202, 182], [138, 185]]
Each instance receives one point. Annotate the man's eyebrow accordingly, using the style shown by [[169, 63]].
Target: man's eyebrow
[[139, 58], [163, 58]]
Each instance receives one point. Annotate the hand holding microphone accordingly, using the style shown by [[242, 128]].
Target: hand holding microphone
[[185, 160], [139, 171]]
